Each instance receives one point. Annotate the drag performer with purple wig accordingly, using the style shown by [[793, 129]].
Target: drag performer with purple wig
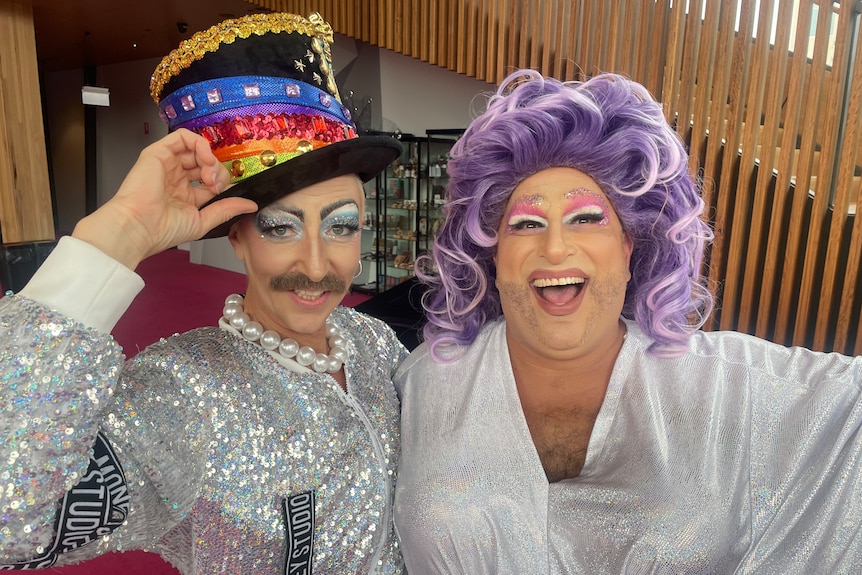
[[566, 414]]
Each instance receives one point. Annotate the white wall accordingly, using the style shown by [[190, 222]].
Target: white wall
[[418, 96], [119, 133], [120, 128]]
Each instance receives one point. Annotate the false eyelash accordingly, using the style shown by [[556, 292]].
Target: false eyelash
[[588, 215]]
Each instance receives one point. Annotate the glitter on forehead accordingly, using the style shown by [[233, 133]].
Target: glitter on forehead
[[582, 191], [531, 200]]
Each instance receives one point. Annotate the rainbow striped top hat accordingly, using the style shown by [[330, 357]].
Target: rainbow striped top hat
[[262, 91]]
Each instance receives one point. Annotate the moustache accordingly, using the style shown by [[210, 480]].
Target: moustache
[[300, 281]]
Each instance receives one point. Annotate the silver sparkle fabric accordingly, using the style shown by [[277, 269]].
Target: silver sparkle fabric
[[212, 434], [739, 457]]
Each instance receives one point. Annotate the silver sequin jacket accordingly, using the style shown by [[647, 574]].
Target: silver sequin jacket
[[741, 456], [210, 450]]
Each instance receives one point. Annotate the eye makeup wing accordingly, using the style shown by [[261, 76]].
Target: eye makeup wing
[[582, 202], [326, 210]]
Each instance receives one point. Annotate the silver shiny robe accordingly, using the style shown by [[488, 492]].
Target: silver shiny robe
[[739, 457], [212, 435]]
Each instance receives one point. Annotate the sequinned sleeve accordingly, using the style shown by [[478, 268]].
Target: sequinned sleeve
[[59, 367], [57, 376]]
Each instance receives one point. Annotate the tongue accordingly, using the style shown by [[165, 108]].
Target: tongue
[[560, 294]]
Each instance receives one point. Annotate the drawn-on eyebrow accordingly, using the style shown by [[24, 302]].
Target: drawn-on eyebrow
[[334, 206], [325, 211], [299, 213]]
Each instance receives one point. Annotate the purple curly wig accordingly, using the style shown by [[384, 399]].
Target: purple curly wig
[[609, 128]]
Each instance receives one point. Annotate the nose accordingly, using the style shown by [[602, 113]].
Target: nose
[[556, 246], [313, 261]]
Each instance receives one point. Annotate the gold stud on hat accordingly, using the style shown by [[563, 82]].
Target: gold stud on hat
[[304, 146], [268, 158]]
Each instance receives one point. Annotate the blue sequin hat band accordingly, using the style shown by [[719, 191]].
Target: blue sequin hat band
[[223, 94]]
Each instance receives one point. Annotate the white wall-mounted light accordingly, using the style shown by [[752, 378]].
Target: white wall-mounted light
[[94, 96]]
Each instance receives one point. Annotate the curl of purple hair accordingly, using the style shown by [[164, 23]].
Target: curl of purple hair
[[609, 128]]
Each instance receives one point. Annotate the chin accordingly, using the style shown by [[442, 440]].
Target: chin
[[558, 342]]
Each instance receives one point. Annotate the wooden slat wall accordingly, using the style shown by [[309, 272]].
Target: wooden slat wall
[[25, 194], [759, 145], [775, 136]]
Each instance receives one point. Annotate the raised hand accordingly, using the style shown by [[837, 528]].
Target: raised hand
[[156, 206]]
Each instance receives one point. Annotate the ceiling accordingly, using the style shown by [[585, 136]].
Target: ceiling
[[77, 33]]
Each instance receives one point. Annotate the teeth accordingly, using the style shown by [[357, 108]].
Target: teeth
[[541, 283], [309, 295]]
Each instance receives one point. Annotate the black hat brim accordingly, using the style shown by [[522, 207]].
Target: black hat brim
[[365, 156]]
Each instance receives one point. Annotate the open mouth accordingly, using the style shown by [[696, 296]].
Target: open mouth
[[308, 295], [559, 291]]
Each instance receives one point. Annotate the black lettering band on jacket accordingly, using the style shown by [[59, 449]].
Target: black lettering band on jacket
[[94, 507], [298, 511]]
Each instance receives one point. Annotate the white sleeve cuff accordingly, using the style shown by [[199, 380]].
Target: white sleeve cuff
[[80, 281]]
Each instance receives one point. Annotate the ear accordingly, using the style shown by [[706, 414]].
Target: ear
[[628, 248], [234, 235]]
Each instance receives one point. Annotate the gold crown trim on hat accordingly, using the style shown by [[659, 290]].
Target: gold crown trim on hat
[[206, 41]]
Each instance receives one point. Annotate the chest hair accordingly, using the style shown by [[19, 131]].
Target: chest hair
[[561, 435]]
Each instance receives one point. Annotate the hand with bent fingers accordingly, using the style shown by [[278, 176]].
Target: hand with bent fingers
[[156, 207]]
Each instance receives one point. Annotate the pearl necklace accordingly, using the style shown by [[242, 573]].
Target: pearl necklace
[[270, 340]]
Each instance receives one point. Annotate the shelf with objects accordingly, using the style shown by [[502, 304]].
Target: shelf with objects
[[389, 236], [399, 206], [435, 179], [404, 210]]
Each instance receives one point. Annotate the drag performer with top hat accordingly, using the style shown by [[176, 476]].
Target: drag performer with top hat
[[267, 444]]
